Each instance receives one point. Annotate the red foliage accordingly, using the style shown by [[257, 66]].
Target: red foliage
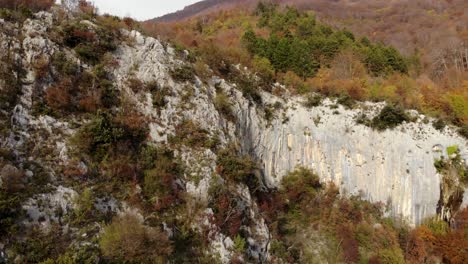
[[84, 35], [374, 260], [87, 7], [350, 212], [58, 96], [234, 223], [349, 244], [416, 248], [451, 247], [91, 103], [34, 5]]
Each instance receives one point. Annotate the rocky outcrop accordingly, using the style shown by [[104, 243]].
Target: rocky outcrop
[[395, 167]]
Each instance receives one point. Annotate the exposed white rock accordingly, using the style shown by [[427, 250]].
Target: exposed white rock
[[50, 207], [394, 166]]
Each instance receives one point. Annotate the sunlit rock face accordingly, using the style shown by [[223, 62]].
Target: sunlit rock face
[[394, 167]]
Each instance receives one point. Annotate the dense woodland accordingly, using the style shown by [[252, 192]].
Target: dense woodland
[[278, 44], [420, 74]]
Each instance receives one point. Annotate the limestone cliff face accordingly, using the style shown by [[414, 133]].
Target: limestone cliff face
[[395, 167]]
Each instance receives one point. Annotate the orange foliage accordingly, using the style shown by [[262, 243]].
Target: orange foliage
[[450, 247]]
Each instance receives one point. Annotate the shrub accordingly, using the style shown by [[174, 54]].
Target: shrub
[[239, 244], [40, 245], [13, 180], [300, 184], [104, 135], [249, 88], [64, 66], [10, 209], [437, 227], [439, 124], [223, 105], [191, 134], [183, 74], [84, 209], [88, 53], [313, 101], [391, 256], [362, 119], [126, 239], [390, 117], [237, 168], [159, 96], [10, 83], [41, 68], [463, 131], [346, 101], [162, 171], [349, 244], [58, 96], [135, 84], [90, 44], [264, 68]]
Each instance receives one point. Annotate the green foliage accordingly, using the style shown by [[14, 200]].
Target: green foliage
[[10, 82], [312, 45], [264, 68], [223, 105], [64, 66], [439, 124], [90, 44], [313, 101], [10, 210], [239, 244], [300, 184], [237, 168], [381, 60], [183, 74], [190, 134], [84, 210], [249, 87], [463, 131], [159, 94], [437, 226], [310, 222], [39, 246], [127, 240], [390, 117], [103, 134], [459, 107], [161, 170], [452, 150], [346, 101], [391, 256]]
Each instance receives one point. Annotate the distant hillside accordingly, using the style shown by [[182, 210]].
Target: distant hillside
[[437, 31], [200, 8]]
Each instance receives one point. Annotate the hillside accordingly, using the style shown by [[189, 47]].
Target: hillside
[[119, 147], [344, 65], [434, 30]]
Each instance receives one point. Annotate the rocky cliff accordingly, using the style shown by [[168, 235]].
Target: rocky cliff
[[394, 167]]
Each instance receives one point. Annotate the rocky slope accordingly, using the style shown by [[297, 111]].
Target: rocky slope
[[394, 167]]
